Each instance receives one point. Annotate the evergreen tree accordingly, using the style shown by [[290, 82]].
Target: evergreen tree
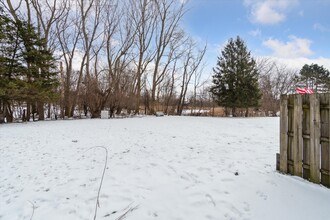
[[27, 70], [5, 54], [235, 79], [40, 72], [11, 82], [314, 77]]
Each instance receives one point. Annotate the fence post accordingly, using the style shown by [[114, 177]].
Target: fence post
[[325, 139], [284, 134], [297, 136], [315, 138], [326, 159], [328, 106]]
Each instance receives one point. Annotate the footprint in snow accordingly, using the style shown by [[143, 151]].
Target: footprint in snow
[[262, 195], [211, 199], [246, 207]]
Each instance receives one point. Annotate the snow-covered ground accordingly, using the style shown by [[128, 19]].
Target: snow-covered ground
[[164, 168]]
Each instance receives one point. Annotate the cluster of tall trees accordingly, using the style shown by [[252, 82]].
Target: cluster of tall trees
[[97, 54], [314, 77], [73, 56], [242, 82], [27, 72]]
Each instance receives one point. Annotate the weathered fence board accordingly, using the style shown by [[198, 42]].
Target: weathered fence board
[[290, 134], [284, 134], [305, 137], [297, 136], [325, 136], [315, 138]]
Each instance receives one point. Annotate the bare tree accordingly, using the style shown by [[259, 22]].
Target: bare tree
[[169, 88], [144, 21], [91, 32], [198, 85], [68, 32], [110, 49], [169, 13], [275, 79], [191, 63], [119, 39], [48, 13]]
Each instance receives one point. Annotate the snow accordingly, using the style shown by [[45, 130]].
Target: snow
[[164, 168]]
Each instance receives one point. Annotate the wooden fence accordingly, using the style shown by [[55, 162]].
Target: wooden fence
[[304, 137]]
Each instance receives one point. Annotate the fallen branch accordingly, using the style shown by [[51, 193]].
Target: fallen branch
[[97, 205], [128, 210], [33, 208]]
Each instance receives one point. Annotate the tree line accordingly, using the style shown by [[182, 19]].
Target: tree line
[[69, 56], [96, 54], [242, 82]]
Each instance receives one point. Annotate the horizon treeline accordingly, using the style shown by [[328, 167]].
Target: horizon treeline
[[68, 57]]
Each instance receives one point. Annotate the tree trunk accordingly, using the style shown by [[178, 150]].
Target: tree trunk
[[146, 102], [226, 111], [167, 103], [49, 109], [112, 112], [234, 112], [28, 111], [34, 111], [67, 104], [24, 115], [2, 116], [247, 112], [8, 113], [96, 113], [138, 95], [40, 111]]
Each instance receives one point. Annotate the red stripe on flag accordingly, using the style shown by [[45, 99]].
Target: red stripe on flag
[[300, 91], [304, 91]]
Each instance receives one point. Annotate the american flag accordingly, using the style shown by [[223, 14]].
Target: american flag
[[304, 91]]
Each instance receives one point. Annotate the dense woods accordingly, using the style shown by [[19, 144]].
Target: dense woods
[[94, 55], [74, 58]]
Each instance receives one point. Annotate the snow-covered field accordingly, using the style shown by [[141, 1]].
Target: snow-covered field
[[164, 168]]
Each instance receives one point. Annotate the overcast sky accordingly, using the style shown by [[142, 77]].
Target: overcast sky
[[293, 31]]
